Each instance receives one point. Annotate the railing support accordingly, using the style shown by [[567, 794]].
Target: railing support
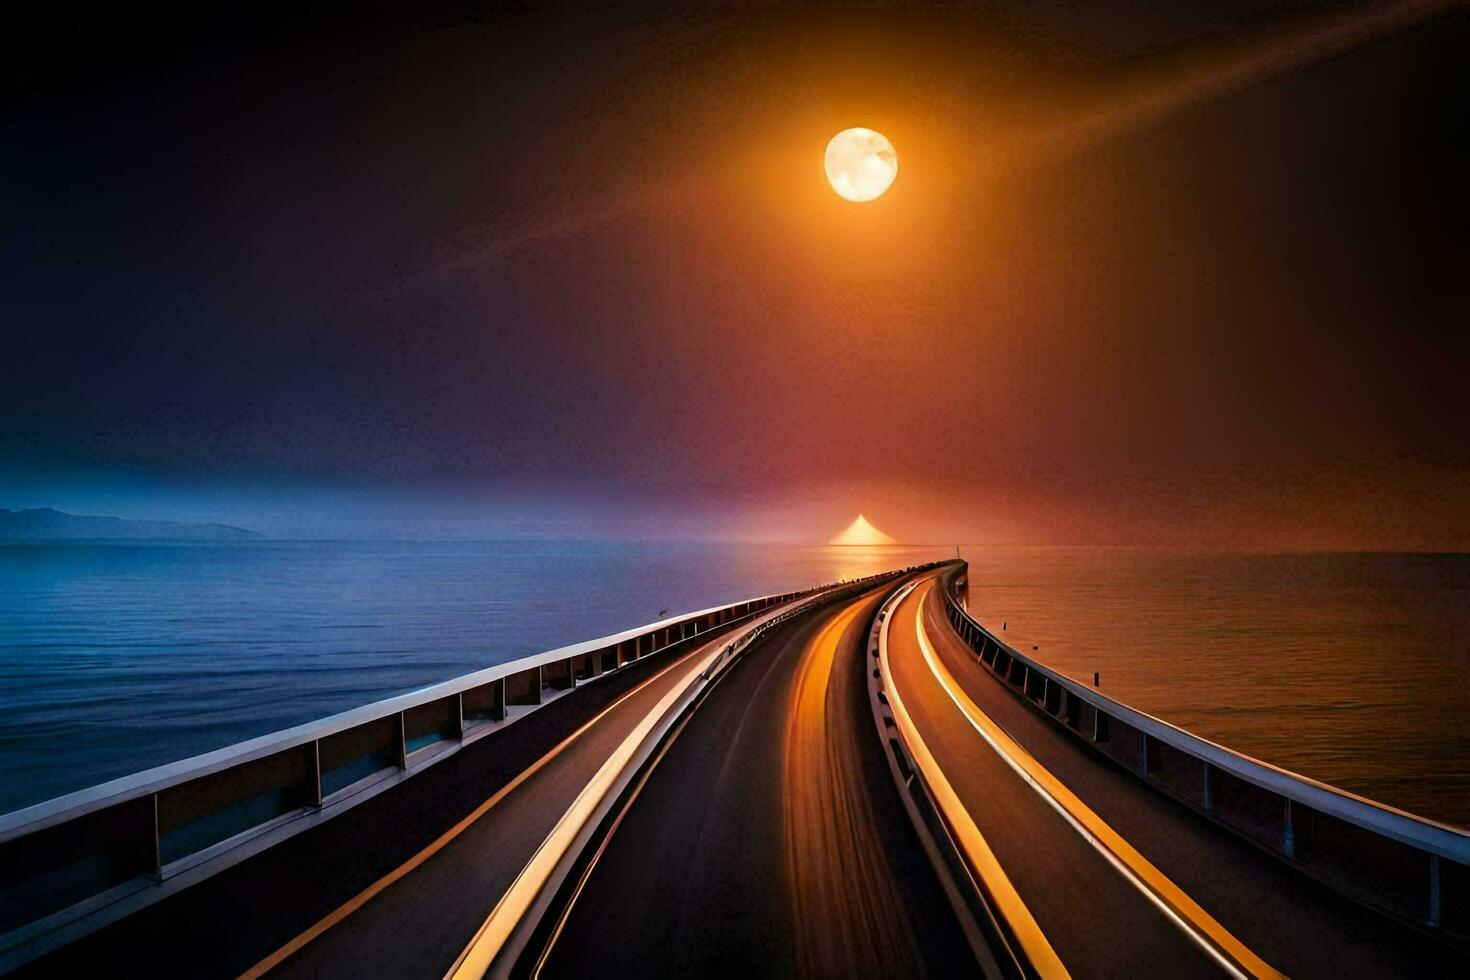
[[290, 770], [402, 741], [316, 766], [157, 842], [1317, 846]]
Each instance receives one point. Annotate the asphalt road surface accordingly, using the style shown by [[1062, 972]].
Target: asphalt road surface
[[399, 885], [418, 925], [770, 839], [1098, 923]]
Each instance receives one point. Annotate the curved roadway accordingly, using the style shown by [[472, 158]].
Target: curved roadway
[[1096, 857], [284, 913], [770, 839]]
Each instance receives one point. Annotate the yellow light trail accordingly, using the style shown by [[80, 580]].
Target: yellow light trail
[[847, 915], [978, 856], [513, 906], [337, 915], [1199, 925]]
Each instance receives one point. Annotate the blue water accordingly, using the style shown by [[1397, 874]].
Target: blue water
[[1353, 669], [116, 658]]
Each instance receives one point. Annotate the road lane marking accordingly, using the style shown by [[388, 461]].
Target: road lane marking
[[1194, 921], [491, 937], [362, 898], [602, 845], [978, 855]]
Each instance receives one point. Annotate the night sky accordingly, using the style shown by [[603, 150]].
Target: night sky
[[1155, 276]]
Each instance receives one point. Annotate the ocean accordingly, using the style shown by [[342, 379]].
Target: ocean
[[116, 658], [1349, 668]]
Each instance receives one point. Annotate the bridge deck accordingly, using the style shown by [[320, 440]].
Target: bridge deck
[[418, 924], [770, 839], [1292, 923]]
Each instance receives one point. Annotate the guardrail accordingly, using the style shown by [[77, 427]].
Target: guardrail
[[998, 950], [521, 949], [1404, 864], [74, 863]]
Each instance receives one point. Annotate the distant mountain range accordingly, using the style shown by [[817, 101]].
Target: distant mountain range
[[49, 524]]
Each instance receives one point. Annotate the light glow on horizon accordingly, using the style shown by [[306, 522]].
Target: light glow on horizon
[[860, 532]]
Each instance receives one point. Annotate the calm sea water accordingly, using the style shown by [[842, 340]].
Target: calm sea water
[[1349, 668], [116, 658]]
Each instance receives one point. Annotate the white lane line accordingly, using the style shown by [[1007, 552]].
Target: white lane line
[[1198, 938]]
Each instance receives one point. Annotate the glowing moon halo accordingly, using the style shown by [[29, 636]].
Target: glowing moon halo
[[861, 164]]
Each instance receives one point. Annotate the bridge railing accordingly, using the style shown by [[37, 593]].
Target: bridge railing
[[64, 860], [1416, 868]]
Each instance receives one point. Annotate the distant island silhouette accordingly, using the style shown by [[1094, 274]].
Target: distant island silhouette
[[50, 524]]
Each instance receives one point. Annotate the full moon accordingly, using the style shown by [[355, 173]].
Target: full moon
[[861, 164]]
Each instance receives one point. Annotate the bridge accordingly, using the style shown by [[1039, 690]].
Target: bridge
[[858, 779]]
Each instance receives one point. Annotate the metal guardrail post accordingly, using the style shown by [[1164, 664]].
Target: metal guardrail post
[[315, 798], [157, 842], [1318, 825], [152, 827]]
